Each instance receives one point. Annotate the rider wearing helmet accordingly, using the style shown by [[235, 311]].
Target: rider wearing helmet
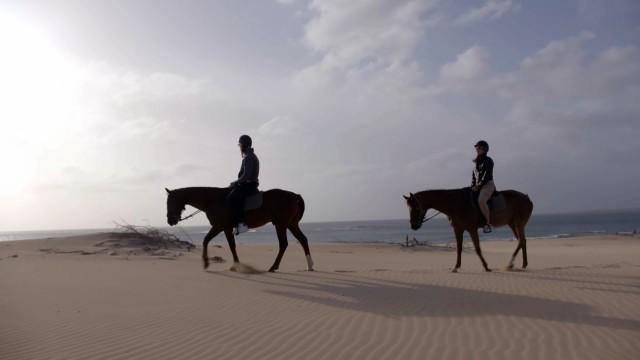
[[247, 182], [482, 180]]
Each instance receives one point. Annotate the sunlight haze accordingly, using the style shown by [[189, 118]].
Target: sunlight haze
[[351, 104]]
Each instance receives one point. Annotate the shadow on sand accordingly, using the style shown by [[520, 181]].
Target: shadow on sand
[[392, 298]]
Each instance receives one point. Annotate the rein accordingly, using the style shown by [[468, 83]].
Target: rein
[[185, 218], [430, 217], [190, 215], [424, 218]]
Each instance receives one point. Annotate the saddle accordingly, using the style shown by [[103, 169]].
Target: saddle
[[496, 201], [253, 201]]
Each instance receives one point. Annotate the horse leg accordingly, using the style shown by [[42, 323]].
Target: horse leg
[[459, 237], [476, 244], [295, 230], [523, 240], [516, 233], [282, 240], [205, 245], [231, 240]]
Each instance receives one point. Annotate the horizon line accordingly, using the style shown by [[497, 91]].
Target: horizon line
[[592, 211]]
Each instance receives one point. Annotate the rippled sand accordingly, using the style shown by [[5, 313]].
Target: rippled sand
[[579, 299]]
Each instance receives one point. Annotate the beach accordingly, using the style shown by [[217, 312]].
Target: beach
[[67, 298]]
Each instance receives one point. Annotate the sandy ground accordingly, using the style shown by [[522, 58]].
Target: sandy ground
[[579, 299]]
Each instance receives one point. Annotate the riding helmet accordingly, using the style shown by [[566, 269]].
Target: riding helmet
[[483, 144], [245, 140]]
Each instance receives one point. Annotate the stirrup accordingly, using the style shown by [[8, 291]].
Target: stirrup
[[487, 229]]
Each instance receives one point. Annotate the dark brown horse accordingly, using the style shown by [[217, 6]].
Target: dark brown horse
[[282, 208], [464, 216]]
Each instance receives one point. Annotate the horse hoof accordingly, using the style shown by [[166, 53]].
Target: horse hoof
[[205, 266], [272, 270], [487, 270], [454, 270]]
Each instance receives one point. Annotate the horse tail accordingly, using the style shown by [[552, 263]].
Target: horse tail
[[529, 209], [301, 207]]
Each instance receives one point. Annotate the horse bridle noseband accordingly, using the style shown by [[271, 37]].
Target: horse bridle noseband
[[423, 220]]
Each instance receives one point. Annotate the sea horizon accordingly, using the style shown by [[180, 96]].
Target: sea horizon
[[438, 230]]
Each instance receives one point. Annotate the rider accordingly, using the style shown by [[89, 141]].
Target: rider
[[482, 180], [246, 184]]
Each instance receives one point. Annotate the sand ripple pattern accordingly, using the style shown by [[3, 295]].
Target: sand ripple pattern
[[83, 309]]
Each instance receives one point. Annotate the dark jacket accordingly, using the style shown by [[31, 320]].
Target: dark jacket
[[482, 171], [250, 168]]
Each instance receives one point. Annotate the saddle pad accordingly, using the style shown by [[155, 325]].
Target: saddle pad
[[253, 201]]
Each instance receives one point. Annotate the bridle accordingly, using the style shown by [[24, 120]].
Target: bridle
[[190, 215], [430, 217], [424, 216], [185, 218], [180, 218]]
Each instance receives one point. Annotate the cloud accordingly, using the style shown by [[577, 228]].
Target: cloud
[[491, 10], [279, 126], [364, 115], [468, 65], [360, 38], [598, 10], [557, 113], [365, 57], [386, 30], [367, 91]]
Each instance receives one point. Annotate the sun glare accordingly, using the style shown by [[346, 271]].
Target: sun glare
[[37, 94]]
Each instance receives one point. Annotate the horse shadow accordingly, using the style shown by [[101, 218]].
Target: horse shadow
[[397, 299]]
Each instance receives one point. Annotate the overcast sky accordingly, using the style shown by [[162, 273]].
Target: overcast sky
[[350, 103]]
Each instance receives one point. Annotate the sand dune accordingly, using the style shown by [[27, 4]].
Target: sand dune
[[579, 299]]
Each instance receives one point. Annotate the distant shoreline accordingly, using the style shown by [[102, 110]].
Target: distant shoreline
[[569, 213]]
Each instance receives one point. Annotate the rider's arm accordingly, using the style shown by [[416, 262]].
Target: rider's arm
[[248, 169], [486, 173]]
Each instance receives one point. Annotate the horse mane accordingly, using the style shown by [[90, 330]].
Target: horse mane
[[200, 189], [436, 191], [208, 193]]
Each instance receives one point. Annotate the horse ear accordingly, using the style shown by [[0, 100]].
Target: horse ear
[[411, 195], [406, 197], [168, 191]]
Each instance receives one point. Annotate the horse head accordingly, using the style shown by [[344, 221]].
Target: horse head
[[416, 211], [175, 207]]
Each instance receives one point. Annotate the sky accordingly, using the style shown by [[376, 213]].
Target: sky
[[103, 104]]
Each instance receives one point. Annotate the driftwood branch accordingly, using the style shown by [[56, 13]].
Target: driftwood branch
[[153, 236]]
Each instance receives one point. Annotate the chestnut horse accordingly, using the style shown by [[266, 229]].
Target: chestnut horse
[[282, 208], [457, 204]]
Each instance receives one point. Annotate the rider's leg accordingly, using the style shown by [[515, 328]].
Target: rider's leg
[[483, 198], [243, 191], [232, 201], [236, 199]]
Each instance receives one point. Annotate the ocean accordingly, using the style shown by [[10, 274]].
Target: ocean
[[437, 230]]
